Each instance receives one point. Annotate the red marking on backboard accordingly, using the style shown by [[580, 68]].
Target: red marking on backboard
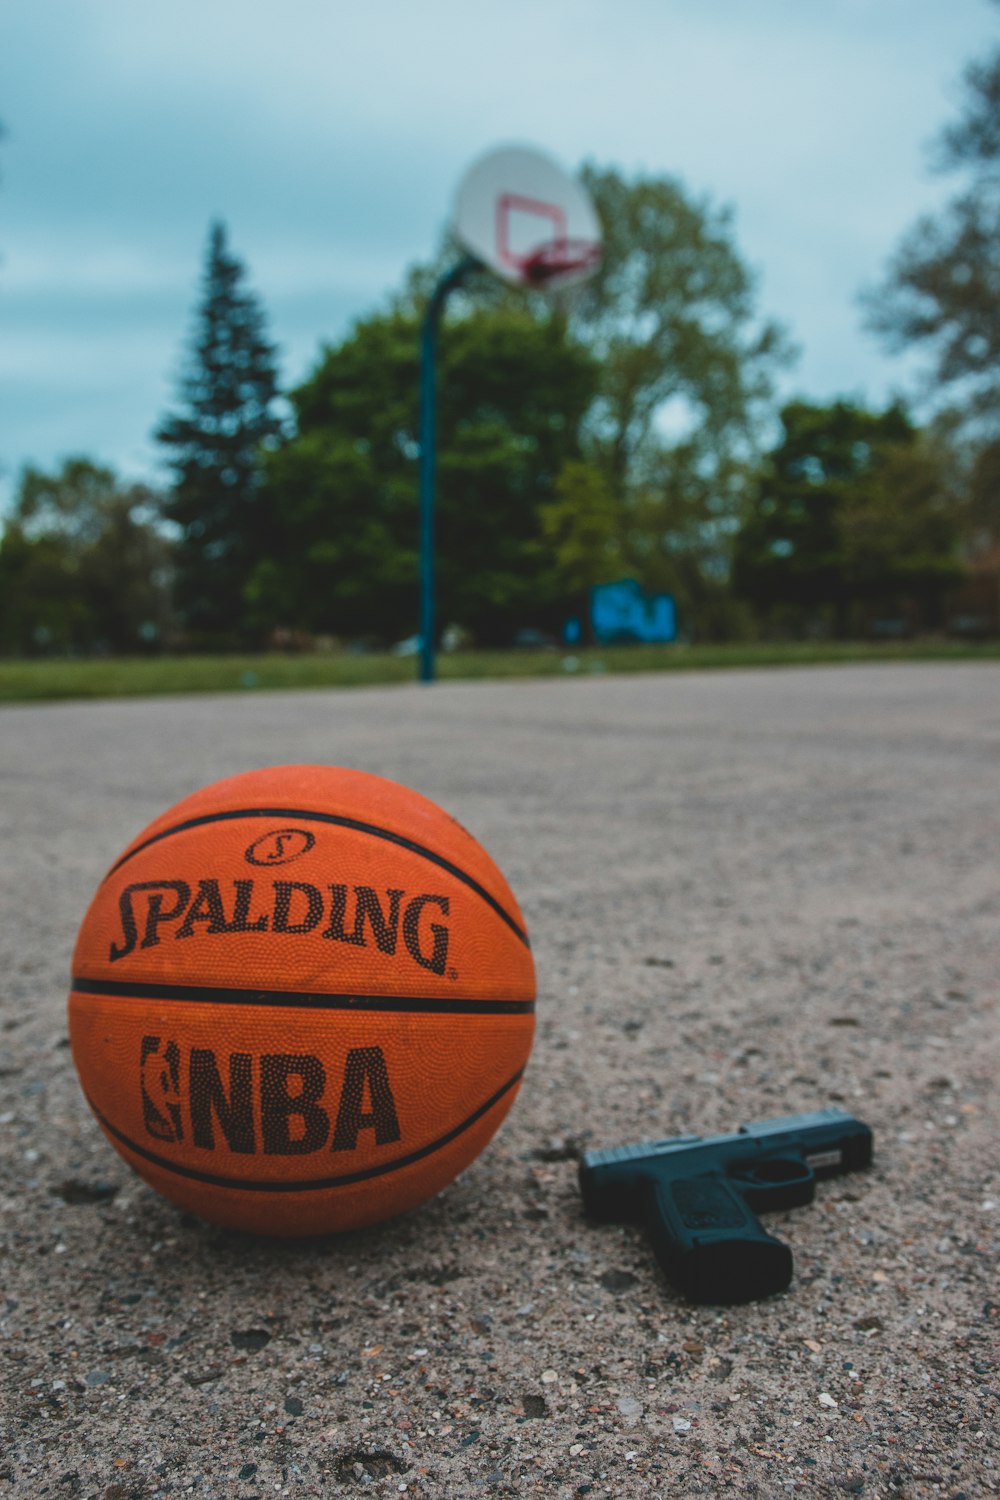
[[511, 204]]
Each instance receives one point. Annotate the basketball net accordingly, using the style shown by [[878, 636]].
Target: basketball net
[[559, 258]]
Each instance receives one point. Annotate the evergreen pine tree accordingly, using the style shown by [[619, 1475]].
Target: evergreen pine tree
[[227, 392]]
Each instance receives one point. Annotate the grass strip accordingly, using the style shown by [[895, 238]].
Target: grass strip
[[119, 677]]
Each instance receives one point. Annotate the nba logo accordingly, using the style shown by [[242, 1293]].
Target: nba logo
[[159, 1080]]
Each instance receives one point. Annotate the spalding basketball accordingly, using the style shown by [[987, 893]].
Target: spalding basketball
[[302, 1000]]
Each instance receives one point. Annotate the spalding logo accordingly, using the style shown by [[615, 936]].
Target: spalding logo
[[292, 907], [280, 846]]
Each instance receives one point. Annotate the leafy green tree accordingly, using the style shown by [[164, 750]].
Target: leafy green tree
[[42, 608], [581, 525], [671, 318], [84, 565], [515, 388], [899, 533], [341, 512], [941, 294], [227, 416], [853, 514], [678, 533], [339, 500], [686, 369]]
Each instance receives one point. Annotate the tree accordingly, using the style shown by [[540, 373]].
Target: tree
[[686, 370], [679, 529], [341, 496], [852, 516], [941, 293], [670, 315], [84, 565], [227, 418], [581, 524], [514, 390]]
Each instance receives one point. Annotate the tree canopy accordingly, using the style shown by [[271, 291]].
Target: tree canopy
[[687, 368], [941, 293], [83, 564], [340, 497], [852, 516], [670, 317]]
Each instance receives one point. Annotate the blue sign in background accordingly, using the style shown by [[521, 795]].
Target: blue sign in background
[[621, 612]]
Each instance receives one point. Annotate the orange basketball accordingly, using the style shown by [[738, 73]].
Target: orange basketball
[[302, 1000]]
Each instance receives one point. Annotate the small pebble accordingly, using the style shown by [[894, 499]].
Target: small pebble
[[826, 1399], [251, 1339]]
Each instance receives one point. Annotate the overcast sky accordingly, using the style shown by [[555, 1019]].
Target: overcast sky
[[331, 137]]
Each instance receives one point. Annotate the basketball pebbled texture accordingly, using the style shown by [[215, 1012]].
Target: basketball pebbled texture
[[302, 1000]]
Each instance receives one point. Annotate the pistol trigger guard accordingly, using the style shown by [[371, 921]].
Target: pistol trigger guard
[[776, 1182]]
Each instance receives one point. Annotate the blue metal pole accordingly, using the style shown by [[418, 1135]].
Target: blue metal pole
[[428, 454]]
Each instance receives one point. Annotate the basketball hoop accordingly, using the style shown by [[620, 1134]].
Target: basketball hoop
[[560, 259], [521, 215], [532, 223]]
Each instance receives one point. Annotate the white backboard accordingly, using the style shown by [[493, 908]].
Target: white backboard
[[526, 218]]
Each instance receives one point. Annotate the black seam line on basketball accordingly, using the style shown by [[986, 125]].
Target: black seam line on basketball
[[340, 822], [445, 1005], [317, 1184]]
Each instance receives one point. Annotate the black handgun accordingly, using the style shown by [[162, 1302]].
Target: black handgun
[[697, 1196]]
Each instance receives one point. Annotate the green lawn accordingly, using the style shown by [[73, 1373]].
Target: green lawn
[[129, 677]]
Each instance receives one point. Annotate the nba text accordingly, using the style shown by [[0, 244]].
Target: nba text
[[278, 1104]]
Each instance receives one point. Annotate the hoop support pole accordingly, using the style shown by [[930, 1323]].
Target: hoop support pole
[[428, 451]]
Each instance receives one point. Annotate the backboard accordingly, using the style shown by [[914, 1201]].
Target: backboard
[[527, 219]]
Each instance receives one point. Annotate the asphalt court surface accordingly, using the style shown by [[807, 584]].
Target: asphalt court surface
[[749, 894]]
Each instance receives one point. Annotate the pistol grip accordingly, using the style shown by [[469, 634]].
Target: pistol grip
[[710, 1244]]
